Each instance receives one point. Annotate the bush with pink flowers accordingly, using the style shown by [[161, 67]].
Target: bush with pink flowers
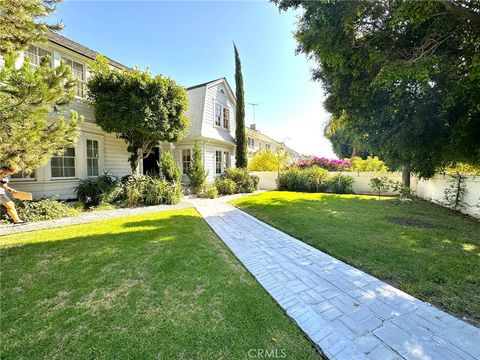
[[324, 163]]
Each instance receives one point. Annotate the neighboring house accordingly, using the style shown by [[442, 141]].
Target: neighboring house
[[257, 141], [212, 124]]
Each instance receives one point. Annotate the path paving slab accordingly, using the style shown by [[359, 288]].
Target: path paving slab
[[346, 313]]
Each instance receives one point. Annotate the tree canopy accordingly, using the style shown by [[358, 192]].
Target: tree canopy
[[20, 25], [406, 73], [139, 108], [346, 142], [241, 160], [29, 136], [269, 160]]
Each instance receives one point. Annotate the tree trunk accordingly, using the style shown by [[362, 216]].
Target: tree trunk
[[406, 176]]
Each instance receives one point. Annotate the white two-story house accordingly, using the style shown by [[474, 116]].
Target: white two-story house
[[212, 124]]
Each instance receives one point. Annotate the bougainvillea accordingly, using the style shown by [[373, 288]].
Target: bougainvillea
[[324, 163]]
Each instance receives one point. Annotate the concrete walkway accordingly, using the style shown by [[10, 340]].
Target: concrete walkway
[[347, 313]]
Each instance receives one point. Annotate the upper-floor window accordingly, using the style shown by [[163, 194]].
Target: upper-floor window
[[218, 114], [268, 146], [64, 165], [36, 55], [78, 72], [251, 142], [222, 116], [22, 175], [92, 158], [186, 160], [226, 118], [218, 162]]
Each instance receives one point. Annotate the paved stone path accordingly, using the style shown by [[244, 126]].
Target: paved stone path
[[347, 313]]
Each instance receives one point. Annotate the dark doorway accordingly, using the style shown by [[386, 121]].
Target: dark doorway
[[150, 163]]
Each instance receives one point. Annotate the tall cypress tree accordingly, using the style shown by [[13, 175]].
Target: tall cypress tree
[[241, 150]]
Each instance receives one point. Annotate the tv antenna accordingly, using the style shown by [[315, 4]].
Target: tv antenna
[[254, 105]]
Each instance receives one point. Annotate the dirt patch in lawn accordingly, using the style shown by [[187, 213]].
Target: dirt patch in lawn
[[409, 222]]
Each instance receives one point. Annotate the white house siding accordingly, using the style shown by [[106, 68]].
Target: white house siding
[[196, 102], [113, 157], [218, 92]]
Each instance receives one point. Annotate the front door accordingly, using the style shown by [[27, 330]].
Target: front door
[[150, 163]]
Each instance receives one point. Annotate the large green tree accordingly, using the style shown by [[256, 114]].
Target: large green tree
[[241, 160], [29, 136], [346, 142], [405, 72], [139, 108]]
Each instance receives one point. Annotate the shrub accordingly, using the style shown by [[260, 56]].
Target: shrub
[[313, 179], [324, 163], [133, 187], [160, 191], [245, 183], [196, 174], [341, 184], [368, 164], [208, 191], [94, 191], [174, 193], [269, 160], [225, 186], [380, 185], [170, 170], [42, 209]]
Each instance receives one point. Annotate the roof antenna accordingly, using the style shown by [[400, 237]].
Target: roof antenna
[[253, 105]]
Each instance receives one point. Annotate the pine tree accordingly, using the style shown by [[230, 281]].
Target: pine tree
[[19, 25], [28, 136], [196, 173], [241, 149]]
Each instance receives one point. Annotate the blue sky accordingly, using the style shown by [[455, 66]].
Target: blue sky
[[192, 42]]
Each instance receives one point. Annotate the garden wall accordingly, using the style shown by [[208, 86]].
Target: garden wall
[[432, 189]]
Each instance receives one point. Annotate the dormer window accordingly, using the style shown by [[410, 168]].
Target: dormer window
[[222, 116], [36, 55]]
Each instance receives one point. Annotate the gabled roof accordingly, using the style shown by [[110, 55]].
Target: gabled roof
[[204, 84], [223, 79], [78, 48]]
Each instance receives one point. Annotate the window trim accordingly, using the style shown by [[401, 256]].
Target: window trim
[[37, 55], [75, 159], [189, 161], [229, 157], [253, 142], [221, 162], [222, 116], [98, 157], [24, 178]]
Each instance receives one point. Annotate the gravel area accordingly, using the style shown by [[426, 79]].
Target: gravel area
[[104, 215]]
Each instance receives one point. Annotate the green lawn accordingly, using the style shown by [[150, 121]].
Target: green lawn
[[159, 286], [440, 265]]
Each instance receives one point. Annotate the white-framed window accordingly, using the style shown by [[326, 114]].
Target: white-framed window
[[218, 162], [36, 55], [63, 166], [22, 175], [268, 146], [251, 142], [78, 72], [228, 159], [222, 116], [92, 158], [186, 160], [226, 118], [218, 114]]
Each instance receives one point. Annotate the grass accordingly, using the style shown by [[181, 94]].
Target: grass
[[157, 286], [440, 265]]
